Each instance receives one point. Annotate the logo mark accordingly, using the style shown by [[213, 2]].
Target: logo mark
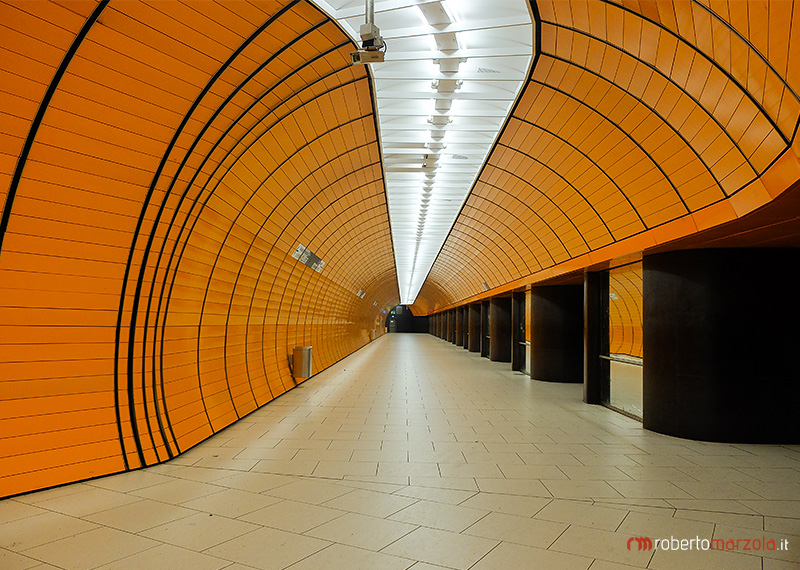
[[643, 542]]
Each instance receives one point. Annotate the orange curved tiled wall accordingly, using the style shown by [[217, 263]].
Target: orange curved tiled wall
[[625, 310], [641, 122], [161, 163]]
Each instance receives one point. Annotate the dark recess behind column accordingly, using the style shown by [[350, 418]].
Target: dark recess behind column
[[720, 345], [408, 323], [474, 324], [459, 339], [485, 340], [500, 329], [595, 335], [557, 333], [518, 347]]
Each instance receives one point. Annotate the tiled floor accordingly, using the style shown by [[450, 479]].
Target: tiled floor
[[413, 453]]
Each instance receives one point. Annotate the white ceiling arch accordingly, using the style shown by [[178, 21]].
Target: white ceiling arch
[[452, 72]]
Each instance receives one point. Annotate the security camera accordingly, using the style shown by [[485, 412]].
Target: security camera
[[366, 56], [372, 44]]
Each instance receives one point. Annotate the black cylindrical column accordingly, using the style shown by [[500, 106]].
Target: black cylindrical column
[[474, 327], [500, 329], [557, 333], [720, 339]]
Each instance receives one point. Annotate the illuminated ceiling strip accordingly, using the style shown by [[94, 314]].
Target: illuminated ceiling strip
[[452, 71]]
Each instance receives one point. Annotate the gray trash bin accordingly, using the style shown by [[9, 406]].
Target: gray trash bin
[[301, 362]]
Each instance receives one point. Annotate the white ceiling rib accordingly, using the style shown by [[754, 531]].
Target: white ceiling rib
[[452, 72]]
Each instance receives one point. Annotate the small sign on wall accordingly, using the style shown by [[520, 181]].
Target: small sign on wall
[[307, 257]]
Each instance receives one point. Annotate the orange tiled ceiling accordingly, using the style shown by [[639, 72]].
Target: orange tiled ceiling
[[641, 122], [160, 164]]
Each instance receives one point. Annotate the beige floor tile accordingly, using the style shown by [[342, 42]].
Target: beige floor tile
[[548, 458], [460, 446], [90, 549], [652, 489], [716, 505], [606, 565], [509, 504], [715, 490], [470, 470], [441, 548], [774, 491], [610, 459], [357, 446], [576, 448], [309, 491], [379, 455], [254, 482], [544, 472], [230, 503], [671, 559], [498, 458], [783, 525], [582, 514], [738, 520], [772, 564], [455, 483], [437, 494], [87, 501], [199, 531], [298, 444], [639, 473], [268, 549], [787, 509], [235, 464], [601, 544], [28, 532], [281, 454], [518, 447], [661, 460], [167, 557], [365, 480], [519, 530], [177, 491], [141, 515], [342, 557], [522, 487], [281, 467], [370, 503], [362, 531], [594, 472], [508, 556], [585, 489], [408, 469], [640, 524], [340, 469], [13, 561], [200, 474], [439, 515], [323, 455], [429, 456], [406, 446], [772, 474], [761, 542], [292, 516], [13, 510]]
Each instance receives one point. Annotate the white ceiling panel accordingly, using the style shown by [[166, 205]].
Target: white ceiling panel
[[452, 71]]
